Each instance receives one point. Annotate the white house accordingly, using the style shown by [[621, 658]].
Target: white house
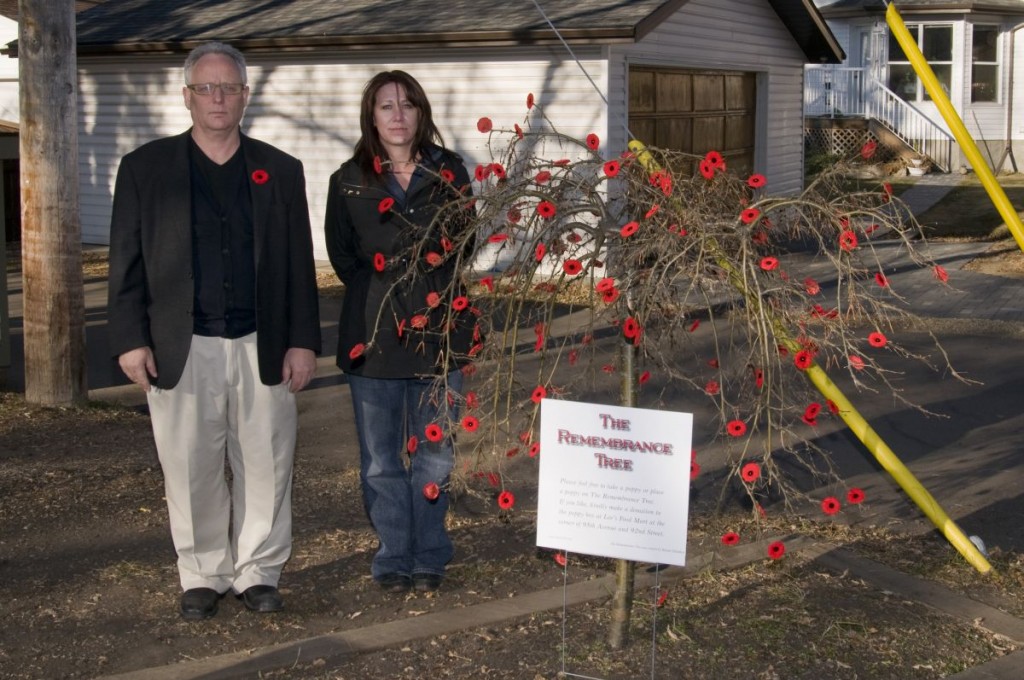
[[686, 74], [973, 46]]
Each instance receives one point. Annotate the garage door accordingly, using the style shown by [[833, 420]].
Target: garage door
[[695, 112]]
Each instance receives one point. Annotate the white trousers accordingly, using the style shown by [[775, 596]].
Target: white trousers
[[237, 538]]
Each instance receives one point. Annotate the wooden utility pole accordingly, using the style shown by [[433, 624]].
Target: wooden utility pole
[[51, 241]]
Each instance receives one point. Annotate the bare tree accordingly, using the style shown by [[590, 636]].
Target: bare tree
[[54, 316]]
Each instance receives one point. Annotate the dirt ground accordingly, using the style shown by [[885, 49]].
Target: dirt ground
[[90, 587]]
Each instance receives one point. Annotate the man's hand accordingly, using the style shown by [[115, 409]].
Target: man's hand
[[138, 364], [299, 367]]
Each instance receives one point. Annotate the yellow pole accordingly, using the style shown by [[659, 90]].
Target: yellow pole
[[963, 138], [854, 420]]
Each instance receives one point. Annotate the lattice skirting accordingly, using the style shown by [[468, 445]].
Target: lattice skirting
[[844, 142]]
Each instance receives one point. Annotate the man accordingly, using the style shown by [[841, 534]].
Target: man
[[213, 311]]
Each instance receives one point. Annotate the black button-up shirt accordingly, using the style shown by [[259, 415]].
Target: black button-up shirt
[[223, 256]]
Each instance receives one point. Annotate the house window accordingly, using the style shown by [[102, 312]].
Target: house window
[[936, 43], [985, 64]]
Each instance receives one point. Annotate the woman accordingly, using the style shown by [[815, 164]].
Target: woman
[[398, 228]]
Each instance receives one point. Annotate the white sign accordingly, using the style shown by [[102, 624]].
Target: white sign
[[614, 481]]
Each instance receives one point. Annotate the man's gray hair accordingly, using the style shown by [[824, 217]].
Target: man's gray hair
[[214, 48]]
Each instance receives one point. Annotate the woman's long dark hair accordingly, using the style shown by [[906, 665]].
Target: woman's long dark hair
[[369, 145]]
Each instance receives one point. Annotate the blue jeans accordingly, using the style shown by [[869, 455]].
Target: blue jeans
[[410, 528]]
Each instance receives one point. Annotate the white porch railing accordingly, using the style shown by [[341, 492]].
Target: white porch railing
[[841, 91]]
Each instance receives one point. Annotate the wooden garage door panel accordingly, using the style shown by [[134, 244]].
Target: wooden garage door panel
[[708, 92], [674, 92], [641, 91], [675, 133], [695, 111]]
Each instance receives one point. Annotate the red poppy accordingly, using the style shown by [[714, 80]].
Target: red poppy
[[604, 284], [811, 286], [512, 452], [694, 470], [497, 238], [608, 368], [940, 273], [412, 444], [736, 428], [493, 479], [776, 550], [470, 423], [539, 393], [484, 124], [356, 351], [715, 159], [379, 262], [572, 267], [812, 410], [830, 506], [707, 170], [630, 327], [855, 496], [378, 167], [560, 558], [260, 176], [593, 142], [868, 150], [662, 597], [756, 181], [758, 377], [610, 296], [713, 363], [385, 204], [749, 215], [482, 172], [832, 406], [539, 251], [546, 209], [730, 538], [519, 130], [433, 259], [644, 377], [769, 263], [561, 162], [542, 177], [803, 359], [887, 188], [847, 240], [433, 299], [401, 327], [877, 339], [629, 229], [498, 169], [856, 362], [460, 303], [695, 325], [472, 401], [534, 450], [813, 422], [418, 321], [611, 168], [506, 500], [750, 472], [431, 491], [872, 229], [488, 283], [434, 432], [881, 280], [652, 211], [447, 175], [711, 387]]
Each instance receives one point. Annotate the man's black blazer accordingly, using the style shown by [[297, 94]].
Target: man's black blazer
[[151, 288]]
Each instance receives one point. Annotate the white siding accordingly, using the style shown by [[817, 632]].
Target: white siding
[[311, 110], [9, 104], [740, 35]]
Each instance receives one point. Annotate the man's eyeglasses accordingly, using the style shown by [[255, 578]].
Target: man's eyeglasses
[[206, 89]]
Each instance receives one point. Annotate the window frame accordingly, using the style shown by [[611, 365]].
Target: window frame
[[997, 64], [918, 31]]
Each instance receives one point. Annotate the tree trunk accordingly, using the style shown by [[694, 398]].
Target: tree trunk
[[622, 598], [54, 309]]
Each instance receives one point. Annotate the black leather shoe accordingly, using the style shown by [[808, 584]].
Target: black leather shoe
[[262, 599], [426, 583], [199, 603], [395, 583]]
